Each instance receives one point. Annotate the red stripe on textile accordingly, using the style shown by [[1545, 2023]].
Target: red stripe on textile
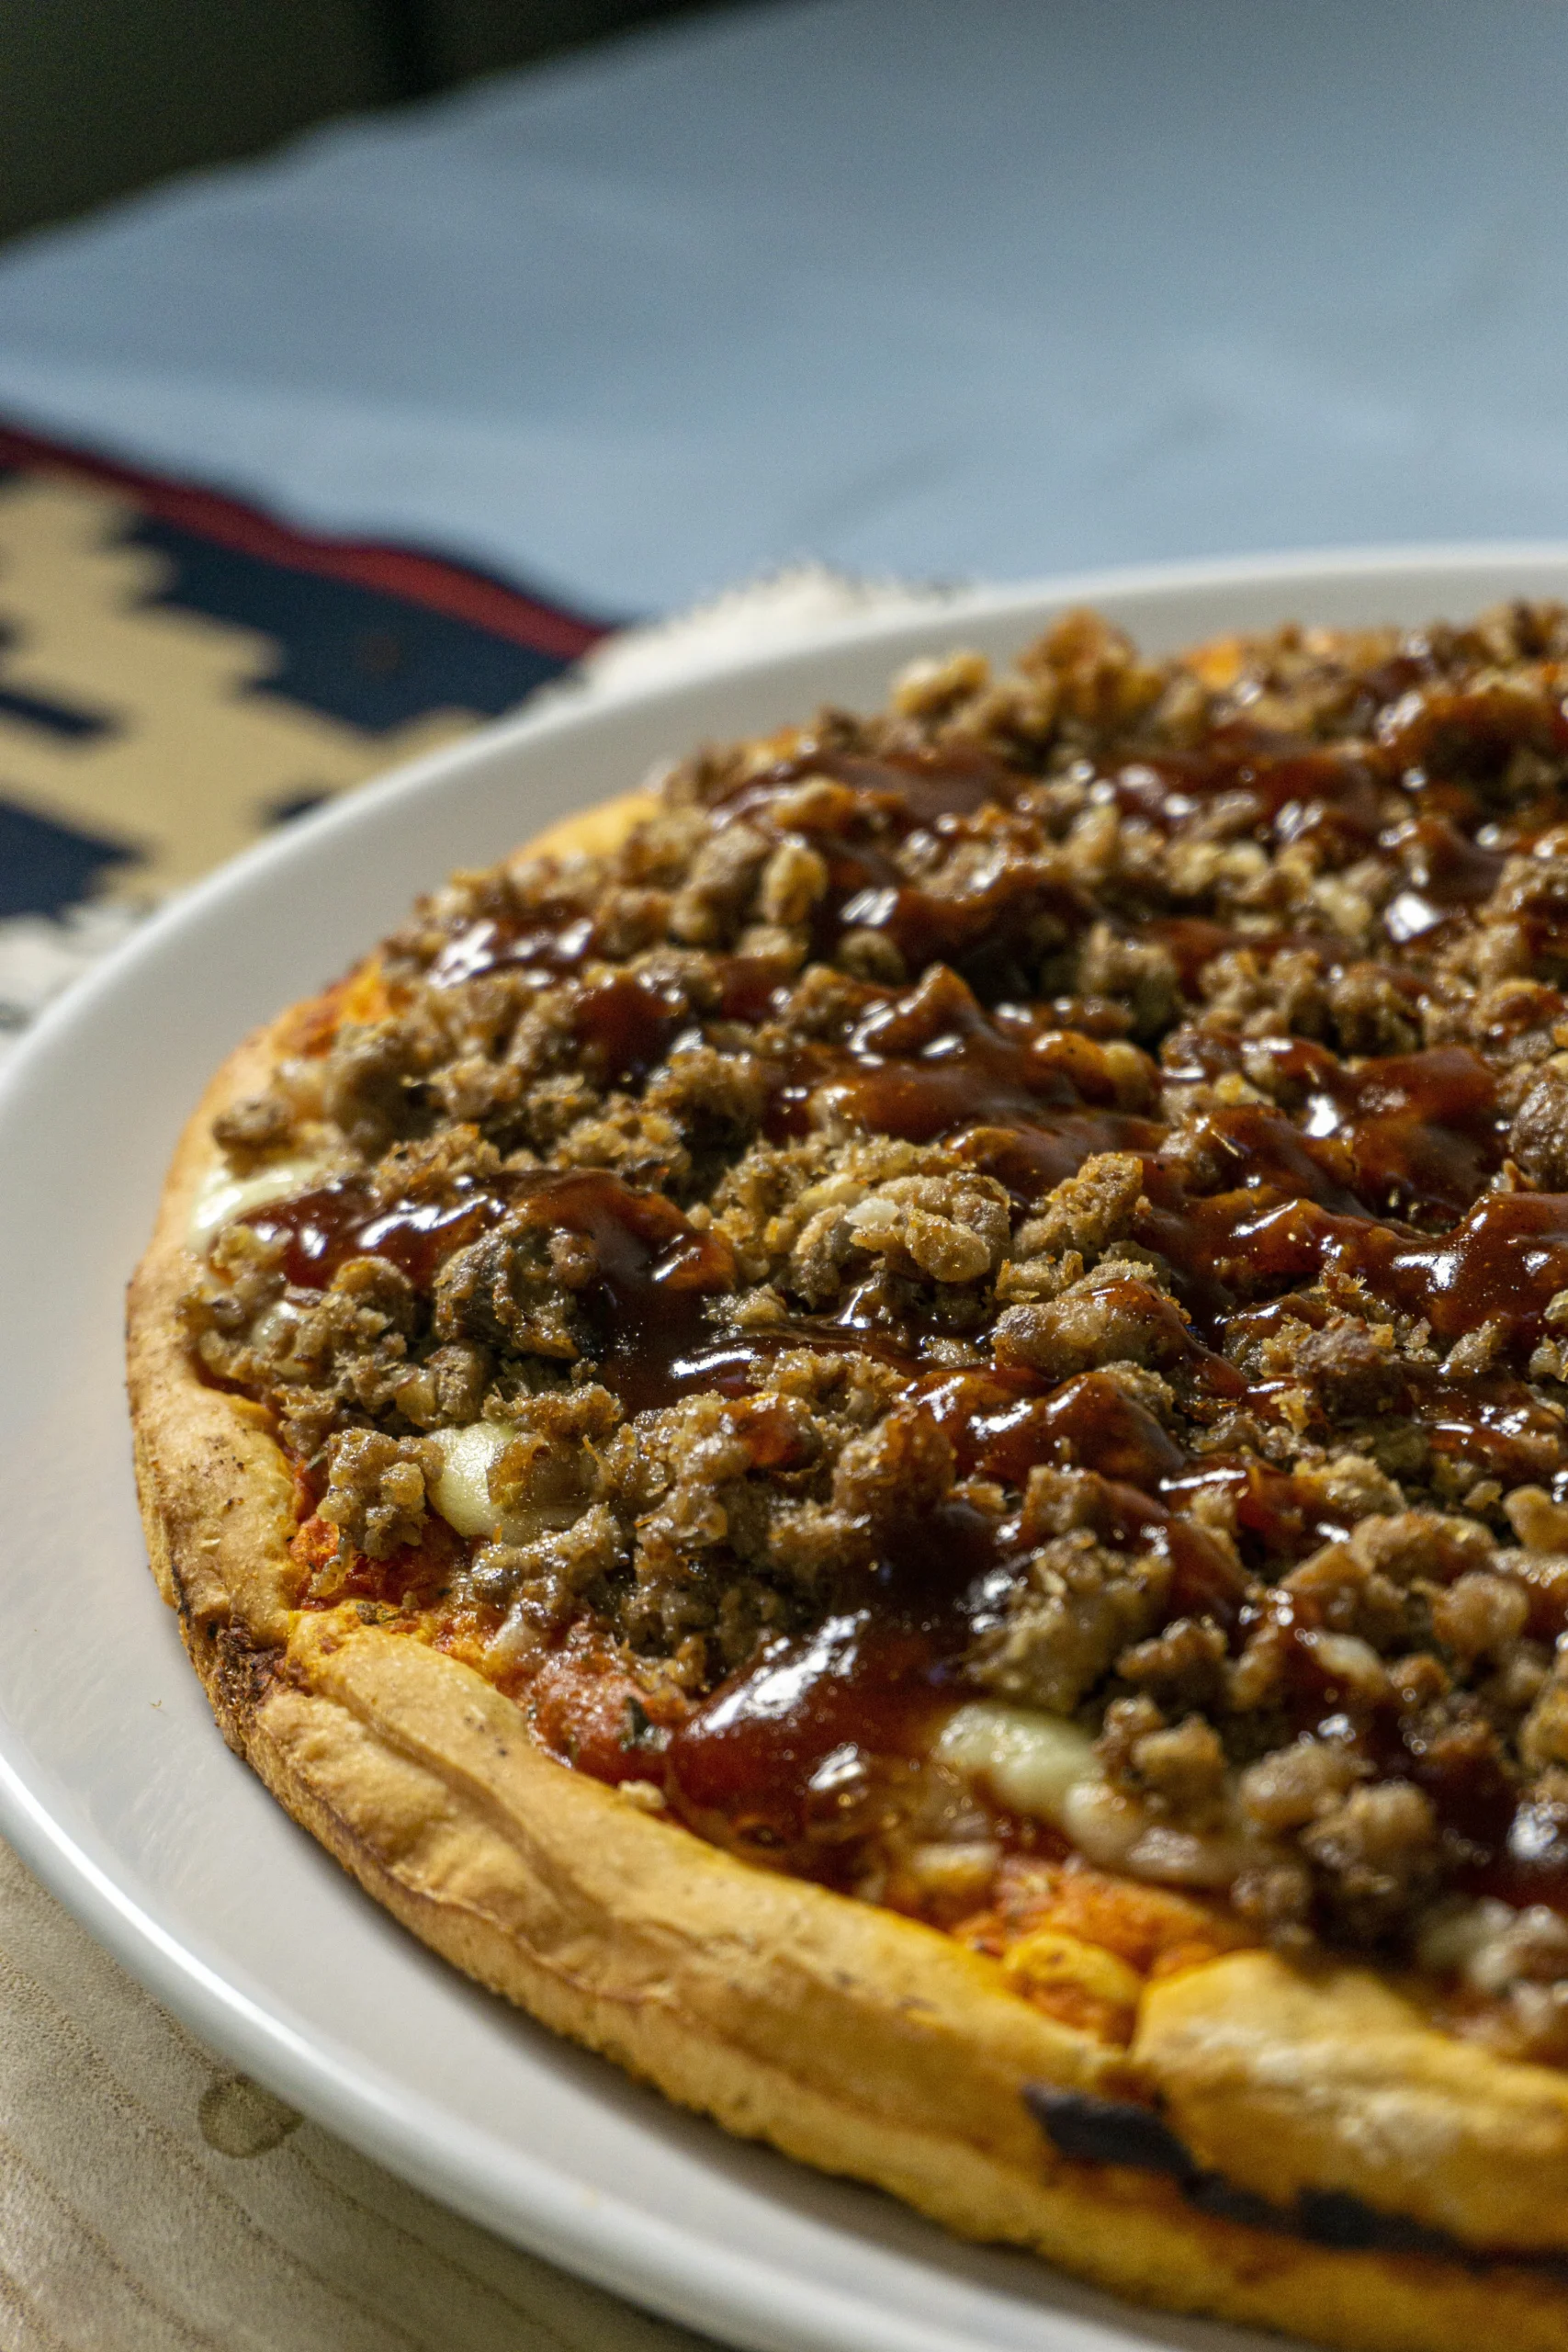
[[426, 580]]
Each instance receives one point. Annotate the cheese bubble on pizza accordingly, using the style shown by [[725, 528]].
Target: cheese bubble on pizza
[[887, 1430]]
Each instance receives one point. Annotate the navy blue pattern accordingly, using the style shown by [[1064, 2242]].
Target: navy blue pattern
[[376, 660], [46, 867]]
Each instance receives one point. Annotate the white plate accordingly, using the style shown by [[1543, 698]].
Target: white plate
[[114, 1783]]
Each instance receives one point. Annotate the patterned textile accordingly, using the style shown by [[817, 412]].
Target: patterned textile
[[179, 672]]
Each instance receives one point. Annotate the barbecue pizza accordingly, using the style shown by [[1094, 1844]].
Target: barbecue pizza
[[887, 1430]]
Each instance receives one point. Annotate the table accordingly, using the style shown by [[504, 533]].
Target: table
[[906, 288], [151, 2201]]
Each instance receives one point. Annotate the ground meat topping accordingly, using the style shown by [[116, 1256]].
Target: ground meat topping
[[1048, 1197]]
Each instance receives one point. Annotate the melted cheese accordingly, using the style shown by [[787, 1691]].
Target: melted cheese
[[461, 1494], [223, 1197], [1031, 1761], [1119, 1834], [1039, 1765]]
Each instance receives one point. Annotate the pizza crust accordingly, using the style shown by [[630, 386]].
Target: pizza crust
[[1292, 2083], [862, 2043]]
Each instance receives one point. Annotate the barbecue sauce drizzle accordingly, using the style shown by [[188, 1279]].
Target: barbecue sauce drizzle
[[1379, 1176]]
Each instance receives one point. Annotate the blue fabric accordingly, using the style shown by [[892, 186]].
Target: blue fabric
[[47, 866], [976, 289], [377, 660]]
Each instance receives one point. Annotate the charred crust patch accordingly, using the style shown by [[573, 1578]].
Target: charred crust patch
[[1092, 2129], [1107, 2131], [239, 1673]]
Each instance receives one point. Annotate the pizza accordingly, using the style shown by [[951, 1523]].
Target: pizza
[[886, 1431]]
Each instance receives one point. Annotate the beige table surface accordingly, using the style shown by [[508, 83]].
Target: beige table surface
[[153, 2200]]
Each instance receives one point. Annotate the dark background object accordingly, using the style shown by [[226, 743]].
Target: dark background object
[[101, 97]]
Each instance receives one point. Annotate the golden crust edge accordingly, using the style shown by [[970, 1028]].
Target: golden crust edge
[[217, 1499]]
